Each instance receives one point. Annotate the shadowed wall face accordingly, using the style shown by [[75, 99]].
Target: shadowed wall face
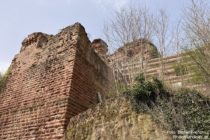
[[52, 79]]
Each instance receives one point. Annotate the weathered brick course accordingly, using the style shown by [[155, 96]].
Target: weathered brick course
[[52, 79]]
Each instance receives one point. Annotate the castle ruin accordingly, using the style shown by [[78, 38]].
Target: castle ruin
[[55, 77], [52, 79]]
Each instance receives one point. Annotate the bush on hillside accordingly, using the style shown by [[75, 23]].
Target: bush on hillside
[[146, 92], [184, 110]]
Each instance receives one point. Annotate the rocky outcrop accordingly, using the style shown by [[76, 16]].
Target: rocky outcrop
[[114, 120]]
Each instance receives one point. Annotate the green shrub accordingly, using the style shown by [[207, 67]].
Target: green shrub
[[146, 92], [3, 80], [184, 110]]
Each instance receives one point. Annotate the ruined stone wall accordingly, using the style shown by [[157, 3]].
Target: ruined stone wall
[[140, 49], [123, 60], [52, 79], [126, 69], [114, 120], [156, 67]]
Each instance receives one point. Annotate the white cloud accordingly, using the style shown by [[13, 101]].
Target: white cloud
[[48, 3], [115, 4], [68, 1]]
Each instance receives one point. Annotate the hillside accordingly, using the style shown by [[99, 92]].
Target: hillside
[[147, 111]]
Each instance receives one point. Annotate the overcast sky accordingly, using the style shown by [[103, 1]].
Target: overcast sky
[[18, 18]]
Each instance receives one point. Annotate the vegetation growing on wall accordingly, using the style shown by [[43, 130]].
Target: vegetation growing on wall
[[3, 79], [184, 110], [180, 69]]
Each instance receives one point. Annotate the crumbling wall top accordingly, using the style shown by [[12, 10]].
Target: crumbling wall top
[[37, 38], [100, 47]]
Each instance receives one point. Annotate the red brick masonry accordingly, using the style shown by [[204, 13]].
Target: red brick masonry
[[52, 79]]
